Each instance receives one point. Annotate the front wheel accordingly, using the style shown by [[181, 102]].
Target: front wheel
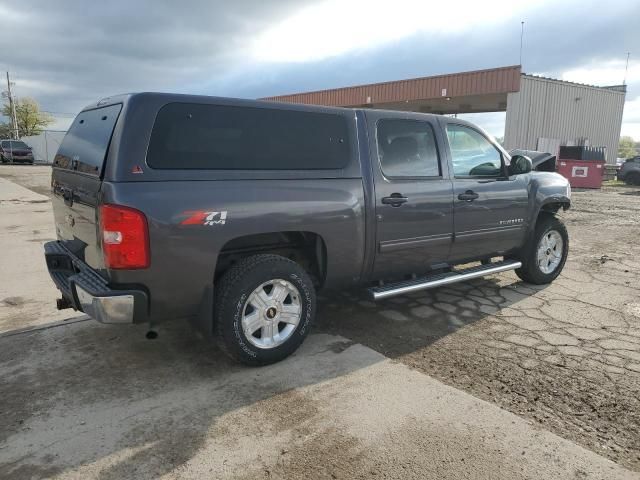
[[265, 307], [545, 254]]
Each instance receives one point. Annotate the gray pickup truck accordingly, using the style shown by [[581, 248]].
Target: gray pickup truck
[[233, 213]]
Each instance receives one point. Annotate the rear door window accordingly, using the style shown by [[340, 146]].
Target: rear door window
[[407, 148], [223, 137], [84, 147]]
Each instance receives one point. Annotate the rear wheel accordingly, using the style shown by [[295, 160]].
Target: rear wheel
[[545, 254], [264, 310], [632, 178]]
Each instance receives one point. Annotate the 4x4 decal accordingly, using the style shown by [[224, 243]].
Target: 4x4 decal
[[203, 217]]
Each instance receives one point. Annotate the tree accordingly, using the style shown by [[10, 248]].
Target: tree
[[5, 131], [31, 120], [627, 147]]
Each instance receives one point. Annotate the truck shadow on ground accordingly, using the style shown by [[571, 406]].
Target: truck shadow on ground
[[87, 394], [402, 325]]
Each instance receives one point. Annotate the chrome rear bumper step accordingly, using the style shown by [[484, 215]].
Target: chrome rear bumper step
[[401, 288]]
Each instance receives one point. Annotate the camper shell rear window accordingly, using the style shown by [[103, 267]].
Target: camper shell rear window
[[84, 147]]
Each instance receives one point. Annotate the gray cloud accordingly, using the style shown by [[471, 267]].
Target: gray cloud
[[556, 39], [70, 53]]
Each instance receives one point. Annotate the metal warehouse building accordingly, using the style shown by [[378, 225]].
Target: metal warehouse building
[[541, 113]]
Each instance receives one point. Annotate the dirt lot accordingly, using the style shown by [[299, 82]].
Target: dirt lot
[[85, 400]]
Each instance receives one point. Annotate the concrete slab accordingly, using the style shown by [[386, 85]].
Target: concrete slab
[[26, 223], [85, 400]]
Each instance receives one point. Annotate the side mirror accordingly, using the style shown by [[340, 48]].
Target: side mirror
[[520, 164]]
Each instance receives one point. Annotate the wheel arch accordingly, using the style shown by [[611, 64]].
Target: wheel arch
[[549, 206], [306, 248]]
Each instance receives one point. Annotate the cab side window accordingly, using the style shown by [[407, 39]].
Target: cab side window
[[407, 148], [472, 154]]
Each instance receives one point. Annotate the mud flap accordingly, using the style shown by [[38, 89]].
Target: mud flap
[[203, 321]]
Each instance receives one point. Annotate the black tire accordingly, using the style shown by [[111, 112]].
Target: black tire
[[530, 271], [632, 178], [235, 288], [3, 160]]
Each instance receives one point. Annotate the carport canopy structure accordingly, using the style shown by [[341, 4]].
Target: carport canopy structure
[[541, 113], [466, 92]]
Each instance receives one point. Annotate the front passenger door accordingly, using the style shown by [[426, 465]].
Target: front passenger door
[[489, 207]]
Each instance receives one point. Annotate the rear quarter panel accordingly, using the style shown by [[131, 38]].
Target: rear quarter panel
[[183, 257]]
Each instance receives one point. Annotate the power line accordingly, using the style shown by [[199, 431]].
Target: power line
[[59, 114], [12, 100]]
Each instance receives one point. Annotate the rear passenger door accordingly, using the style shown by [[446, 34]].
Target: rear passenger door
[[413, 197]]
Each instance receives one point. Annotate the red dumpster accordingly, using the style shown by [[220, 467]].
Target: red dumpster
[[582, 173], [583, 166]]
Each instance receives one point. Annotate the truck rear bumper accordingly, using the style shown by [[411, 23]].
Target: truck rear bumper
[[88, 292]]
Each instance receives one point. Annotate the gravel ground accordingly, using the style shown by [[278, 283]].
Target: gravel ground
[[565, 357]]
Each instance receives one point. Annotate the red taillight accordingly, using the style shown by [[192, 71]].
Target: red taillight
[[125, 237]]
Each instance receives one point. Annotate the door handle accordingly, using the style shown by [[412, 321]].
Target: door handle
[[468, 196], [395, 199]]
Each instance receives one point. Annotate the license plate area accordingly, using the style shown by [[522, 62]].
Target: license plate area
[[59, 263]]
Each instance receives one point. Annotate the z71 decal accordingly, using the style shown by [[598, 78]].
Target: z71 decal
[[202, 217]]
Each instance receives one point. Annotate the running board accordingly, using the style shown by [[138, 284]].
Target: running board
[[401, 288]]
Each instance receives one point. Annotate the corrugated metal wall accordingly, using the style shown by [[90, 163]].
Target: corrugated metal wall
[[572, 113]]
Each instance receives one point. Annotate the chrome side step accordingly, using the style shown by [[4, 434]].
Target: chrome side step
[[401, 288]]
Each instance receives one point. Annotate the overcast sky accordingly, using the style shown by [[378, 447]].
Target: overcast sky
[[67, 54]]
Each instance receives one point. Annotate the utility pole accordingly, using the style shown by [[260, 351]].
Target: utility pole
[[521, 38], [626, 69], [12, 110]]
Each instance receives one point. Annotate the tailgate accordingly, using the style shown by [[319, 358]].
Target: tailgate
[[76, 182]]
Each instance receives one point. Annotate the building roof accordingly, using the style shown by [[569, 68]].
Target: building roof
[[418, 93], [617, 88]]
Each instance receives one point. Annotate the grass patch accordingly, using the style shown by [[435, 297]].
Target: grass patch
[[614, 183]]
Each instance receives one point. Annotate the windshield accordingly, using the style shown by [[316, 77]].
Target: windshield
[[15, 145]]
